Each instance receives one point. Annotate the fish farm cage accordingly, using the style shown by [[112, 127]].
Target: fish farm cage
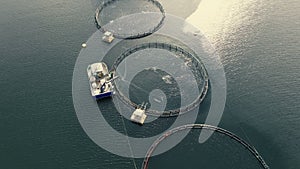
[[194, 62], [236, 138], [104, 27]]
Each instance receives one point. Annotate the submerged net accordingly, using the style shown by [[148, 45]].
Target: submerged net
[[127, 21], [219, 146], [151, 52]]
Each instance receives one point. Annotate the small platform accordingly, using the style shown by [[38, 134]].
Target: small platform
[[108, 37], [139, 116]]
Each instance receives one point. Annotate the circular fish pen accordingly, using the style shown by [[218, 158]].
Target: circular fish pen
[[236, 138], [191, 61], [133, 22]]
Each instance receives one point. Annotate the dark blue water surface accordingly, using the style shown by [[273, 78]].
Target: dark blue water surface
[[258, 42]]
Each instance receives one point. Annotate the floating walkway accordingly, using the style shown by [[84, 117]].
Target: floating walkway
[[102, 27], [199, 68], [253, 151]]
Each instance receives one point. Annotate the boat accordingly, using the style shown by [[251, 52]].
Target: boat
[[100, 80]]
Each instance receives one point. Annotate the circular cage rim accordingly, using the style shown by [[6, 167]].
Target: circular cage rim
[[249, 147], [169, 47], [100, 26]]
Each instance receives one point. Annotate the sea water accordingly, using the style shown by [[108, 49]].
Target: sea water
[[258, 42]]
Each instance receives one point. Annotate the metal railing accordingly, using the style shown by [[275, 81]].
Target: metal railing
[[197, 67], [100, 25], [252, 150]]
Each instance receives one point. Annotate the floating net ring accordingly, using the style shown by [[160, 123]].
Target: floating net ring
[[130, 26], [236, 138], [197, 67]]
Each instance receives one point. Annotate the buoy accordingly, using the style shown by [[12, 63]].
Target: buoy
[[84, 45]]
